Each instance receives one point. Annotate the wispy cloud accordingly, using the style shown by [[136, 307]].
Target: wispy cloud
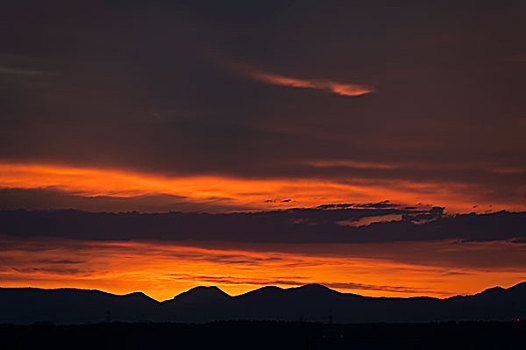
[[339, 88]]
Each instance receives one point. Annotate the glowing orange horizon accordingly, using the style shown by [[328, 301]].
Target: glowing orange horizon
[[163, 270], [252, 194]]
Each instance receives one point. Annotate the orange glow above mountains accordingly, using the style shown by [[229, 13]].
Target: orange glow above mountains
[[250, 194], [162, 269]]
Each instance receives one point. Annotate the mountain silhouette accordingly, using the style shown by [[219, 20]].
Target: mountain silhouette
[[314, 303], [201, 294]]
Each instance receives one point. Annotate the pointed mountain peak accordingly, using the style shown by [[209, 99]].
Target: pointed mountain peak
[[139, 295], [492, 291], [202, 294], [518, 289], [206, 289]]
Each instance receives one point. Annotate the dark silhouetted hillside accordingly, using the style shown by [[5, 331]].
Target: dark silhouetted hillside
[[314, 303]]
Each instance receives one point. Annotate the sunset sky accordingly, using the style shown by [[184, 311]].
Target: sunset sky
[[403, 121]]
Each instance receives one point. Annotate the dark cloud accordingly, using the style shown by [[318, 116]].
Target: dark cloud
[[288, 226], [55, 266], [336, 206], [59, 261], [384, 204], [42, 199], [53, 271]]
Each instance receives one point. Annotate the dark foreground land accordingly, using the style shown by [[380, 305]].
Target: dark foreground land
[[266, 335]]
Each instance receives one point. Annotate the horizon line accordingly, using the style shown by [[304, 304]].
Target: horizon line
[[265, 286]]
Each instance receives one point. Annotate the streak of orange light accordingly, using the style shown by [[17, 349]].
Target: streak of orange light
[[343, 89], [252, 194]]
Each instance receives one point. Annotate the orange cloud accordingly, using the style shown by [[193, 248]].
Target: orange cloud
[[343, 89], [251, 194]]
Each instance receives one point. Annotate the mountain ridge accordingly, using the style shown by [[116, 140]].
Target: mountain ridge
[[314, 303], [319, 286]]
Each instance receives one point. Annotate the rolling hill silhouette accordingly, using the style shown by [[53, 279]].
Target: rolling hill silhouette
[[314, 303]]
